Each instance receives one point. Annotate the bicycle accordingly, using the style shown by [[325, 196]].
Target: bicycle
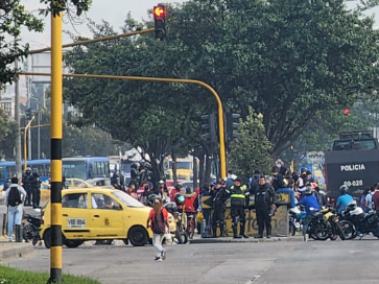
[[190, 224]]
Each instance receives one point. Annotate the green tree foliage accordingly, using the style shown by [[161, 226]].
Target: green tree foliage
[[12, 17], [252, 150], [290, 60], [8, 130]]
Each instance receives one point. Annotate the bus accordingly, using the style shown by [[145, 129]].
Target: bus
[[184, 169], [8, 169], [86, 167]]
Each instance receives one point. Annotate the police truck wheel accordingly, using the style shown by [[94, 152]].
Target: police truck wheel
[[138, 236]]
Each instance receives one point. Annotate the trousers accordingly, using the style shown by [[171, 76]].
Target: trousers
[[36, 197], [157, 243], [264, 221], [238, 214], [14, 217]]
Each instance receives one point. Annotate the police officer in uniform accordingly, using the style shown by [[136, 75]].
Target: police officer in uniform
[[239, 200], [264, 201], [221, 195]]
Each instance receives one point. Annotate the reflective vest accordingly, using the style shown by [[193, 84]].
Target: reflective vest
[[238, 195]]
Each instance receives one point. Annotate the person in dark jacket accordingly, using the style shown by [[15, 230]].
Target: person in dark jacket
[[36, 188], [277, 179], [206, 199], [221, 195], [264, 202], [239, 202], [27, 184]]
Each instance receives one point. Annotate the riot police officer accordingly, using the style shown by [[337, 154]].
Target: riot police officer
[[221, 195], [239, 200], [27, 179]]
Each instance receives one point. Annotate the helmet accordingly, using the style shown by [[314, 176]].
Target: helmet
[[178, 186], [179, 199], [308, 191], [188, 190], [171, 207], [344, 189], [151, 199], [134, 166], [352, 206]]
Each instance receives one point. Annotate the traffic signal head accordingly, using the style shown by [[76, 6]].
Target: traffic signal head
[[232, 126], [210, 126], [159, 13], [346, 111]]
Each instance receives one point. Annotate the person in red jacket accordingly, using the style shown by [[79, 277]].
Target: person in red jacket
[[158, 222], [175, 190]]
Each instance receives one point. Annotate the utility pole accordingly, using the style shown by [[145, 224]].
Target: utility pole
[[17, 118]]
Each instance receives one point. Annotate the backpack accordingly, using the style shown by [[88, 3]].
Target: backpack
[[14, 196]]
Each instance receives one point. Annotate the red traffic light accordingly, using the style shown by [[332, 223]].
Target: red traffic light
[[346, 111], [159, 11]]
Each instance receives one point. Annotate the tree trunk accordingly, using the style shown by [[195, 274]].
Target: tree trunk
[[208, 168], [174, 167], [201, 169]]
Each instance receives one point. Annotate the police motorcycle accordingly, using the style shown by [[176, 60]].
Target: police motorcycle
[[363, 223], [31, 226]]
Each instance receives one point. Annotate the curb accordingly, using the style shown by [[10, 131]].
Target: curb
[[250, 240], [12, 250]]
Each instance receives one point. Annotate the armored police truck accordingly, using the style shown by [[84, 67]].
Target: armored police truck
[[353, 161]]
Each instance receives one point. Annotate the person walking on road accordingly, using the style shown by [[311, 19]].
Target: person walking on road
[[264, 203], [158, 222], [239, 202], [14, 198]]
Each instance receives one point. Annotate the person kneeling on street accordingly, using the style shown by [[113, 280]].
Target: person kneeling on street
[[158, 222]]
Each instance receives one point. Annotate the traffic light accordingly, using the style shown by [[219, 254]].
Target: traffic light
[[159, 13], [28, 114], [232, 125], [210, 126], [346, 111]]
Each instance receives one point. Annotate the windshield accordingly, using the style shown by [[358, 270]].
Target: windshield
[[181, 165], [75, 169], [127, 199]]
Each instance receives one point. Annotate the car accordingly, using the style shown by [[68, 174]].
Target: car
[[100, 214]]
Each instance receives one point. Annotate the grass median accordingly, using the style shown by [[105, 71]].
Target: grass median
[[9, 275]]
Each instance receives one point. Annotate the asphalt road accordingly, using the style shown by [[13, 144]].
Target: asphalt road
[[348, 262]]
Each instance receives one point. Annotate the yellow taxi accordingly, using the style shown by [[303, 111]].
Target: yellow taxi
[[100, 214]]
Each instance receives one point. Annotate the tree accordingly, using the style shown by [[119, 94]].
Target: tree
[[12, 17], [8, 130], [252, 150]]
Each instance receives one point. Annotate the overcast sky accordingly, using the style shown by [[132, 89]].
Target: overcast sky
[[113, 11]]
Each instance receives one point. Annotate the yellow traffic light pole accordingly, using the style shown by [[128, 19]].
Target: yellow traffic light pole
[[25, 143], [166, 80], [56, 134]]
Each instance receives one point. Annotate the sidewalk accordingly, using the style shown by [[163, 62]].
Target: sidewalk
[[198, 240], [12, 250]]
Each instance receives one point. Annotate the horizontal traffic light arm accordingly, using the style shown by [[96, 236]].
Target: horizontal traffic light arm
[[166, 80], [85, 42]]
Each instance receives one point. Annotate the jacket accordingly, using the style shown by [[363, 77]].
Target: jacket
[[220, 198], [277, 182], [264, 197], [20, 189], [239, 196]]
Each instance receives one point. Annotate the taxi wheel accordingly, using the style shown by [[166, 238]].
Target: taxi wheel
[[137, 236], [73, 243], [47, 238]]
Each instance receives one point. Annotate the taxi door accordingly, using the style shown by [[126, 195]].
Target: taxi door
[[75, 215], [107, 218]]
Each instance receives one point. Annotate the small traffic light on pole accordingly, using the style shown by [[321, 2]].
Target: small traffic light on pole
[[28, 114], [159, 13], [210, 126], [231, 126]]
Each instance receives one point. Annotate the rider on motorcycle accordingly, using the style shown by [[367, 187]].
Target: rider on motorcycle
[[344, 199], [311, 205]]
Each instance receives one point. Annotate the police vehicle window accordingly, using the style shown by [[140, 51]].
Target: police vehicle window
[[75, 200]]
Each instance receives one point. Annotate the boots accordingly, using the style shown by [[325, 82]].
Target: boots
[[235, 235], [18, 233], [214, 231], [222, 229], [242, 231]]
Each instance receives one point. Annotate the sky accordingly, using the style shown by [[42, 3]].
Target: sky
[[112, 11]]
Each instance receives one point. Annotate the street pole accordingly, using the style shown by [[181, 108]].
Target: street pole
[[165, 80], [39, 133], [26, 130], [18, 133], [56, 149]]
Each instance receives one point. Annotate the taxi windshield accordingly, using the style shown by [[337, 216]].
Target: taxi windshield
[[127, 199]]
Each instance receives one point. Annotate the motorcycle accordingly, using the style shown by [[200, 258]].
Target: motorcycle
[[318, 228], [31, 229], [296, 217], [364, 223], [337, 228], [180, 235]]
